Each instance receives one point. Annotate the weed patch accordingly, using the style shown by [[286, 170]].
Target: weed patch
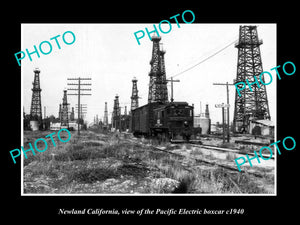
[[93, 175]]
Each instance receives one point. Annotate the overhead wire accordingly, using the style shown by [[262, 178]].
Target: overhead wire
[[202, 61]]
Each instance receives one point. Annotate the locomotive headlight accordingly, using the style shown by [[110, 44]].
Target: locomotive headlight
[[185, 124]]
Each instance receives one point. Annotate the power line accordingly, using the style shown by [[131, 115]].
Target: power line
[[79, 94], [222, 49], [209, 57]]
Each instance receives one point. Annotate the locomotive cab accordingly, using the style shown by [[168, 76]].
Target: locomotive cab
[[174, 121]]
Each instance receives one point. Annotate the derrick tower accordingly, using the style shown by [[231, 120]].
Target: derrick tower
[[36, 103], [64, 123], [125, 111], [116, 113], [158, 91], [206, 111], [105, 119], [134, 95], [253, 103], [163, 78], [59, 112]]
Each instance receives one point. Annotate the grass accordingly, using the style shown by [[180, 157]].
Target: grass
[[86, 164]]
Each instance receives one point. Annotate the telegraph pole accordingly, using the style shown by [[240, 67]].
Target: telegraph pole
[[172, 99], [79, 89], [223, 124], [83, 108], [227, 89]]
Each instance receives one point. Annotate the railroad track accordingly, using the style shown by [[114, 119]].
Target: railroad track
[[214, 162], [209, 162], [211, 147]]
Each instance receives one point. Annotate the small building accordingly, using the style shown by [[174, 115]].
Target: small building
[[57, 126], [261, 127], [74, 126], [202, 122], [54, 126]]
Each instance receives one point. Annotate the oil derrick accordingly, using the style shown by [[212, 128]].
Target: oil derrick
[[134, 95], [163, 79], [206, 111], [36, 104], [253, 103], [116, 113], [97, 120], [158, 91], [59, 113], [127, 120], [105, 119], [64, 123]]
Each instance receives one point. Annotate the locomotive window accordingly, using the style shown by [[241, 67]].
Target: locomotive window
[[178, 112]]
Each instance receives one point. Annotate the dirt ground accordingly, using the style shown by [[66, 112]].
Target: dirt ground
[[113, 163]]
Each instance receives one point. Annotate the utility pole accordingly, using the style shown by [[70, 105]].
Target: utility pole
[[223, 124], [120, 120], [172, 99], [83, 110], [79, 89], [227, 90]]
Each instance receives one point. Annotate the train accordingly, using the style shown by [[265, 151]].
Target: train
[[166, 121]]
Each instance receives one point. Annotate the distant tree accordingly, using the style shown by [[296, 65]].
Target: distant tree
[[26, 121], [52, 118]]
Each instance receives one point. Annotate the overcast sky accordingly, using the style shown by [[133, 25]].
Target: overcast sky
[[110, 55]]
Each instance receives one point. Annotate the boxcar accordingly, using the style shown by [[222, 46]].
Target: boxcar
[[142, 119]]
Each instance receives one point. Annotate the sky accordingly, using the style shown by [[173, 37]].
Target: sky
[[111, 56]]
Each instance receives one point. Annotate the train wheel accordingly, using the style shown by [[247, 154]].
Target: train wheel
[[163, 137], [159, 138]]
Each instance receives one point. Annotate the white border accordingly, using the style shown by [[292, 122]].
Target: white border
[[171, 195]]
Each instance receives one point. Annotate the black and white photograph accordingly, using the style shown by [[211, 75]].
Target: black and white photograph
[[159, 116]]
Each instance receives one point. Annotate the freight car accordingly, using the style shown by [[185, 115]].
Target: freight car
[[172, 121]]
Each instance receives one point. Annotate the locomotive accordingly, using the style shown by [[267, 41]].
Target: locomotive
[[168, 121]]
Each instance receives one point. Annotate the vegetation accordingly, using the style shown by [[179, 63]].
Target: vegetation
[[106, 163]]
